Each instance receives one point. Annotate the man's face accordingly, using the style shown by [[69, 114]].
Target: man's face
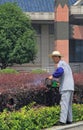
[[56, 59]]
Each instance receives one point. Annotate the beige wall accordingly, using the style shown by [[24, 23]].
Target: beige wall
[[46, 46]]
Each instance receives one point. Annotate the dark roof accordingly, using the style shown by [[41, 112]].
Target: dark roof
[[71, 2], [36, 5]]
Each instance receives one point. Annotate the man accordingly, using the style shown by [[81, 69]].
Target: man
[[66, 88]]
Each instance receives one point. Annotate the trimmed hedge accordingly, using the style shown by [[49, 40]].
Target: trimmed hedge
[[28, 118], [78, 79], [78, 94], [8, 71], [20, 89], [38, 71]]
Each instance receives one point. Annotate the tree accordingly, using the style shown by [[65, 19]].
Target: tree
[[17, 37]]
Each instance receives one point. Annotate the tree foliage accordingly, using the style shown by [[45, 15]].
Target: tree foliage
[[17, 37]]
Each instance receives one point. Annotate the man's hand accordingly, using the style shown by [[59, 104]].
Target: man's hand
[[50, 77]]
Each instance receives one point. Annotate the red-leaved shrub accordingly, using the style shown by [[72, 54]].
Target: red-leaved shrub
[[78, 94], [17, 90], [78, 79]]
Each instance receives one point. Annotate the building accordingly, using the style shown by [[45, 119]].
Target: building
[[76, 39], [59, 25], [69, 32]]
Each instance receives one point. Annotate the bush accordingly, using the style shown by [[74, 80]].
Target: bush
[[78, 79], [20, 89], [28, 118], [38, 71], [78, 94], [77, 112], [8, 71]]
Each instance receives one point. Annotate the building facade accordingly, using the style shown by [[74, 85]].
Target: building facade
[[69, 32]]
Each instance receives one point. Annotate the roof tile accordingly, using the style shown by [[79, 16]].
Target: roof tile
[[36, 5]]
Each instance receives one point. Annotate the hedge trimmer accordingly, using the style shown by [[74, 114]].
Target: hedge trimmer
[[51, 83]]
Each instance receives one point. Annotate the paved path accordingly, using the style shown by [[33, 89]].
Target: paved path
[[74, 126]]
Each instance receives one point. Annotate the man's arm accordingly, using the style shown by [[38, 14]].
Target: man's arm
[[58, 73]]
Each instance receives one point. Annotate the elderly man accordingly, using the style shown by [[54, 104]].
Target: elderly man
[[66, 88]]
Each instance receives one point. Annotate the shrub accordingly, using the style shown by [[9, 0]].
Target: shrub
[[28, 118], [78, 79], [38, 71], [20, 89], [77, 112], [7, 70], [78, 94]]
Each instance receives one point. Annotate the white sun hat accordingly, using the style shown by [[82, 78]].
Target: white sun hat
[[55, 53]]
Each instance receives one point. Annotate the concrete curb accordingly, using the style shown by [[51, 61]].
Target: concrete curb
[[74, 126]]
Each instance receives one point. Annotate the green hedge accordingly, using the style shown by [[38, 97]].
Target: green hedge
[[38, 71], [8, 71], [35, 118]]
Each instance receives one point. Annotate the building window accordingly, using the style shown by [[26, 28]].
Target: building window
[[51, 28], [76, 51], [37, 28]]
